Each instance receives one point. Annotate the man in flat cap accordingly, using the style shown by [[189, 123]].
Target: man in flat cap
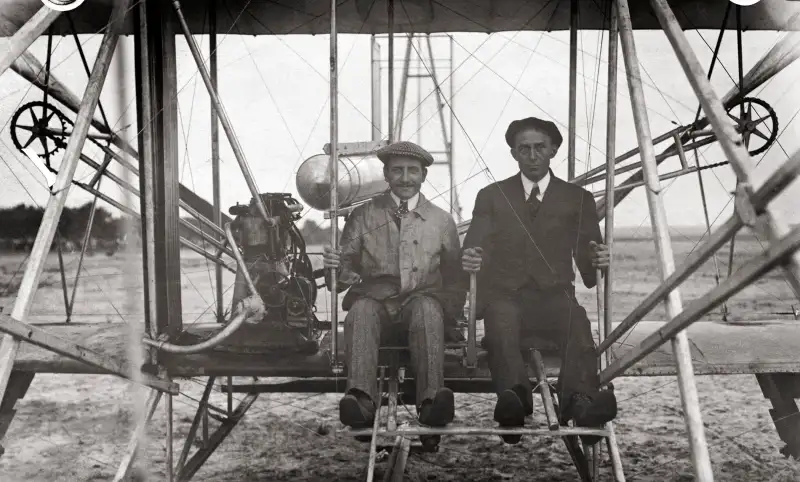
[[524, 235], [400, 257]]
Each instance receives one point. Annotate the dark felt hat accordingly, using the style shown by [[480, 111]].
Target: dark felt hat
[[542, 125], [405, 149]]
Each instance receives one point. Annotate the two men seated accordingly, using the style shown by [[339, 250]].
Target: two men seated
[[401, 259]]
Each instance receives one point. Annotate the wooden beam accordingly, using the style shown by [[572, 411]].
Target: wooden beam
[[26, 35], [50, 220], [750, 272], [41, 338], [773, 186], [734, 149], [133, 445], [658, 217], [573, 88]]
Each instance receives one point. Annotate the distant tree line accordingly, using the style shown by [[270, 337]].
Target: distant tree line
[[20, 224]]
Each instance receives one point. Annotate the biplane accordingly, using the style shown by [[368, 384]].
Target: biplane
[[275, 331]]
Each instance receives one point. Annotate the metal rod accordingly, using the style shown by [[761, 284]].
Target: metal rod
[[611, 149], [680, 345], [410, 431], [573, 87], [170, 476], [375, 58], [216, 103], [334, 176], [197, 249], [87, 236], [544, 389], [755, 268], [9, 345], [215, 172], [734, 151], [455, 208], [390, 13], [201, 410], [27, 35], [62, 270], [376, 422], [472, 330]]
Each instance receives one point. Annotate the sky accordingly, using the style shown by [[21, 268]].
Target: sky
[[275, 91]]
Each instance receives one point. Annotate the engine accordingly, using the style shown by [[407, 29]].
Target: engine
[[276, 258]]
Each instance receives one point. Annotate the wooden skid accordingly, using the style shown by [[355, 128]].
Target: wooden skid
[[474, 431]]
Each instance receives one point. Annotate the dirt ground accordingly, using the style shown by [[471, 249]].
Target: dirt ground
[[76, 427]]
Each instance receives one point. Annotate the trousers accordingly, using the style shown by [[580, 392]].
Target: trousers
[[552, 314], [420, 322]]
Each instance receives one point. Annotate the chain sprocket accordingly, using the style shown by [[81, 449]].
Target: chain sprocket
[[754, 123], [43, 123]]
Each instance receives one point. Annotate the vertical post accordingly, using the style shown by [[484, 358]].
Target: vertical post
[[375, 59], [455, 208], [401, 101], [420, 65], [334, 176], [573, 86], [146, 121], [87, 237], [611, 149], [390, 7], [55, 205], [215, 186], [170, 465], [160, 147], [680, 344]]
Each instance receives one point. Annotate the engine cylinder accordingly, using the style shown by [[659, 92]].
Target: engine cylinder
[[360, 178]]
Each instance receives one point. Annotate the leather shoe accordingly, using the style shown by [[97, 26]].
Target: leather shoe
[[436, 413], [509, 412], [592, 410], [357, 413]]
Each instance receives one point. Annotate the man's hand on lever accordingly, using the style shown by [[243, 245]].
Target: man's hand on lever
[[331, 259], [471, 259], [601, 256]]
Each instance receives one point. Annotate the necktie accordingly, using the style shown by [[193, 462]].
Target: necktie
[[533, 202], [401, 211]]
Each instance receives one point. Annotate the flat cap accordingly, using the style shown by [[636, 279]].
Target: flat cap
[[405, 149], [542, 125]]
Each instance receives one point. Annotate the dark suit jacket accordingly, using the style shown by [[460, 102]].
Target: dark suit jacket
[[517, 248]]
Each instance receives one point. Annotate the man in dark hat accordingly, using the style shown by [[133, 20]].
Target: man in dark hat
[[400, 258], [524, 235]]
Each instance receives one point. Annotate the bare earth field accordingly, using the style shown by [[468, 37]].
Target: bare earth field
[[76, 428]]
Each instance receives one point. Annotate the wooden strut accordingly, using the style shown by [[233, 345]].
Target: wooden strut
[[333, 167], [27, 35], [680, 344], [9, 346], [133, 445]]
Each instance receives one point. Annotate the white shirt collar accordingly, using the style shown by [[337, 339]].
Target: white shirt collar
[[412, 202], [527, 185]]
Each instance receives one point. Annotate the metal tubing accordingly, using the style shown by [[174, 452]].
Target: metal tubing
[[9, 345], [62, 270], [26, 35], [751, 271], [680, 345], [216, 103], [734, 150], [231, 327], [573, 87], [334, 170]]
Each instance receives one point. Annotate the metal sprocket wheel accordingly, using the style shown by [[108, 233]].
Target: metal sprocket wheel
[[759, 120], [48, 127]]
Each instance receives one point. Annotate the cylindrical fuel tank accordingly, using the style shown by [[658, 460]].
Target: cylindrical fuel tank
[[360, 178]]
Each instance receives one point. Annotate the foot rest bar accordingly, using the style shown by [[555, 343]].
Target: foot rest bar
[[416, 431]]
